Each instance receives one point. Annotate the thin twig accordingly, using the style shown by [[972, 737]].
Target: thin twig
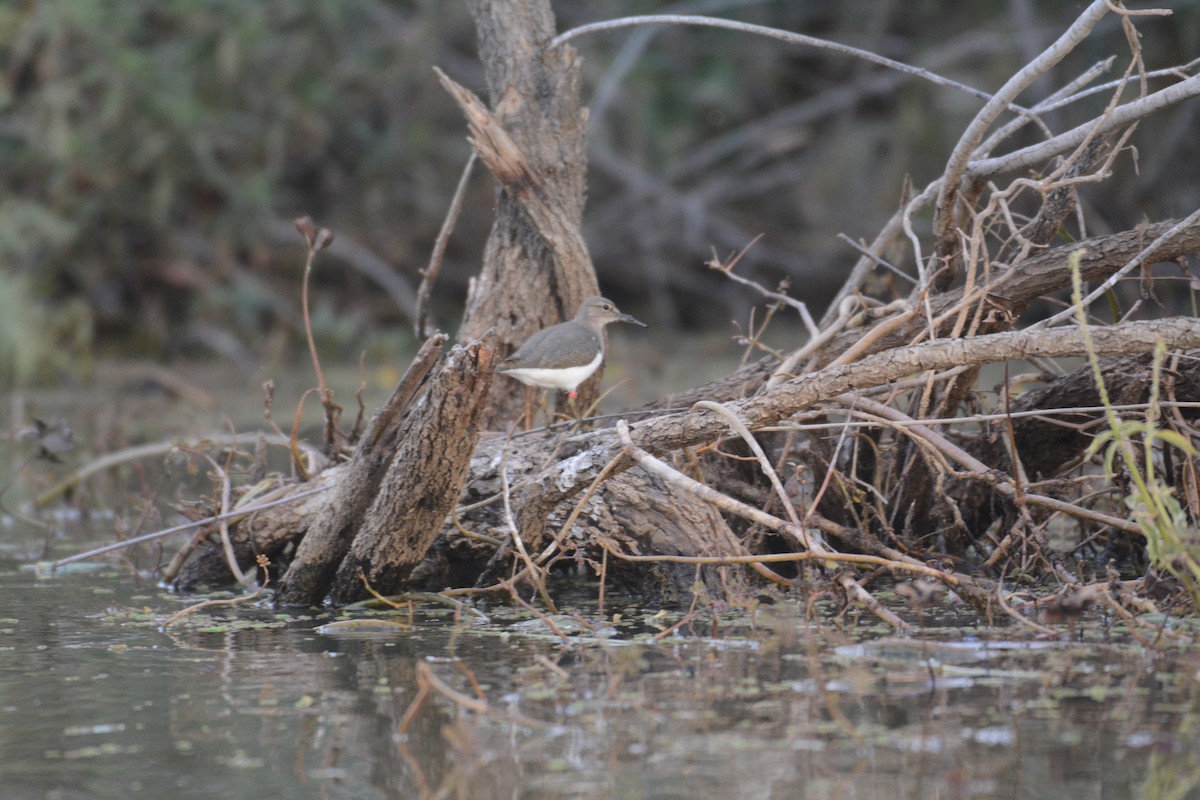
[[565, 530], [317, 239], [741, 430], [727, 268], [535, 573], [223, 525], [430, 274], [237, 513]]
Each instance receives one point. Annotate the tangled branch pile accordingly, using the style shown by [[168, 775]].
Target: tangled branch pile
[[879, 449]]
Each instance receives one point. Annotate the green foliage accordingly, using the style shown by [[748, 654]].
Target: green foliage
[[34, 343], [135, 129], [1169, 778], [148, 146]]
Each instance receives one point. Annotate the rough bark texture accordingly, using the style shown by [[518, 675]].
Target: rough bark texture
[[652, 517], [405, 475], [328, 539], [536, 270], [424, 479], [271, 532], [634, 512]]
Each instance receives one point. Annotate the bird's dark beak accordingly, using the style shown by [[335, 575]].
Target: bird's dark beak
[[627, 318]]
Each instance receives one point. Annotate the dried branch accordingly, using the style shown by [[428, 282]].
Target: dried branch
[[1140, 260], [957, 164], [771, 33], [1123, 115], [430, 274]]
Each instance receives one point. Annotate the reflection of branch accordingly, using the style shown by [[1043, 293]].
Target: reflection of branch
[[428, 682], [263, 563]]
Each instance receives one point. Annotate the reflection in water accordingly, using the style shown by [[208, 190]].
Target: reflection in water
[[96, 702]]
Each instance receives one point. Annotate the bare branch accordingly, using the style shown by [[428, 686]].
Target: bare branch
[[772, 33], [1139, 260], [1131, 112], [430, 274], [958, 162]]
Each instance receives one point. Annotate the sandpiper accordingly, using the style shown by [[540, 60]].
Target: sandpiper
[[565, 355]]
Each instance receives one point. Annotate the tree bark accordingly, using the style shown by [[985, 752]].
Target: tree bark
[[536, 270], [424, 479], [397, 478]]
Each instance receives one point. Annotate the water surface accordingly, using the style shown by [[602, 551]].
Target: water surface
[[97, 701]]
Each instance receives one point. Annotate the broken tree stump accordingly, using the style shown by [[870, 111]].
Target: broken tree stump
[[405, 475]]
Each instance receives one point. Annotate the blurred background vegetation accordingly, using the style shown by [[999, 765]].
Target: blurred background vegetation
[[153, 153]]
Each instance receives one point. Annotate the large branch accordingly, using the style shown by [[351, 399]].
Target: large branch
[[694, 428], [554, 223], [425, 477], [407, 471], [536, 270], [334, 526]]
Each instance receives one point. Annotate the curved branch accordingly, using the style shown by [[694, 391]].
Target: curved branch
[[1026, 157], [693, 428], [956, 165], [780, 35]]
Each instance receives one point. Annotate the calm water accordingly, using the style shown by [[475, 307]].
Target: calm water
[[97, 700]]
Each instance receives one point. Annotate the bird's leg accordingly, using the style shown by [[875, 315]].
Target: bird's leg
[[529, 390], [573, 408]]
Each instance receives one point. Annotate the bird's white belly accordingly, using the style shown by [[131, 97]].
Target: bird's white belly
[[562, 379]]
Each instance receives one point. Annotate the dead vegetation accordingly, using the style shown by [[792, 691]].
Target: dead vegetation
[[874, 453]]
